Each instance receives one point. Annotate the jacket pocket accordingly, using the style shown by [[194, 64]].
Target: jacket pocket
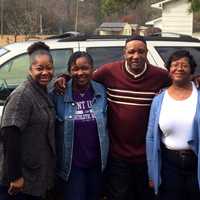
[[31, 161]]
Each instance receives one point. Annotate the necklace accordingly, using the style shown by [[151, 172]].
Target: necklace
[[82, 94]]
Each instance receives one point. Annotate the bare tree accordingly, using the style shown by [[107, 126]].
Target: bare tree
[[52, 16]]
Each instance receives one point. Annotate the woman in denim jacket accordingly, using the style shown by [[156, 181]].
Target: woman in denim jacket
[[173, 135], [81, 131]]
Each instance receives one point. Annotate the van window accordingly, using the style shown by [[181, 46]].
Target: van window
[[165, 53], [3, 51], [4, 92], [13, 72], [60, 58], [102, 55]]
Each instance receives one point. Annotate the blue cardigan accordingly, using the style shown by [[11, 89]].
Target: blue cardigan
[[153, 139]]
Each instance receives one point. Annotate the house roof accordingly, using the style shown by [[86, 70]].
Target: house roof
[[160, 4], [153, 21], [110, 29], [113, 25]]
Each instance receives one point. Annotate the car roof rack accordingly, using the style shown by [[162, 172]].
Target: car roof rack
[[70, 36], [66, 35], [84, 37]]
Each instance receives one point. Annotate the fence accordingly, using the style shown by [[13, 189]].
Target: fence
[[7, 39]]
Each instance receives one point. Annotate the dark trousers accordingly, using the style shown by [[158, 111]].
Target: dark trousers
[[20, 196], [3, 192], [127, 181], [83, 184], [179, 176]]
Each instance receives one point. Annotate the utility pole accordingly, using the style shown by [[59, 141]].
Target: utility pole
[[77, 14], [2, 17], [76, 17], [40, 18], [41, 24]]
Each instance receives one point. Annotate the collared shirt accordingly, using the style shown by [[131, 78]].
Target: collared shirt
[[129, 103], [135, 75]]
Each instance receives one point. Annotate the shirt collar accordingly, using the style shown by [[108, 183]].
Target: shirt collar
[[135, 75], [68, 93]]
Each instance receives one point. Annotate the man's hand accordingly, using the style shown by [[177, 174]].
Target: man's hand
[[196, 79], [16, 186], [60, 85]]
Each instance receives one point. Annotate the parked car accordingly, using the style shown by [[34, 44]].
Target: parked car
[[14, 60]]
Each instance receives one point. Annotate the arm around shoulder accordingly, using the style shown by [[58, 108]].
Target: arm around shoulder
[[100, 73]]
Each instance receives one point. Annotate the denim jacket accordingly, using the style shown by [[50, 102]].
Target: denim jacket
[[153, 139], [65, 112]]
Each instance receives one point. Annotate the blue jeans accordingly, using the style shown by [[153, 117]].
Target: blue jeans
[[83, 184]]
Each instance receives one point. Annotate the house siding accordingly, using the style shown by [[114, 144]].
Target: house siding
[[176, 17]]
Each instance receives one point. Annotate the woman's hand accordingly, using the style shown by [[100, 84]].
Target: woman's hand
[[151, 185], [16, 186]]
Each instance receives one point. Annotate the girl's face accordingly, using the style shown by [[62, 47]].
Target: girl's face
[[180, 70], [42, 70], [81, 72]]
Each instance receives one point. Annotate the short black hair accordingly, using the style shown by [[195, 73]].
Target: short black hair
[[136, 37], [37, 46], [79, 54], [182, 54]]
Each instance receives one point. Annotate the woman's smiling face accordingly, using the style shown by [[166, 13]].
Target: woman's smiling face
[[42, 70], [81, 72], [180, 70]]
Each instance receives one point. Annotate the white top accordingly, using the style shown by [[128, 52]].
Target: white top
[[176, 120]]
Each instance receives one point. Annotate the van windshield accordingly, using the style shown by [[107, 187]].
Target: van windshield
[[102, 55], [4, 91], [165, 53]]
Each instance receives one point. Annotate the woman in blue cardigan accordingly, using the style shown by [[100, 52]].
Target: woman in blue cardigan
[[173, 135]]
